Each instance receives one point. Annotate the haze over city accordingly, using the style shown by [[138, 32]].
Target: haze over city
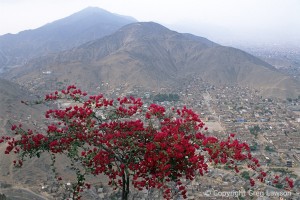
[[226, 22]]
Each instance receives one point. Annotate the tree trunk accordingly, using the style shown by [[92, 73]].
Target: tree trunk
[[125, 186]]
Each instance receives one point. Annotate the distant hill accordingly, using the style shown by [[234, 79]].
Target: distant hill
[[11, 108], [150, 55], [11, 95], [88, 24]]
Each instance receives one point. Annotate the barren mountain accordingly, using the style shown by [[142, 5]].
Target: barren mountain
[[88, 24], [150, 55]]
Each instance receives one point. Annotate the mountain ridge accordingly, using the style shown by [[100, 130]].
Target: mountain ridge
[[150, 55]]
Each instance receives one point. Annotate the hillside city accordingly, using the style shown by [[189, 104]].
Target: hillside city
[[269, 125]]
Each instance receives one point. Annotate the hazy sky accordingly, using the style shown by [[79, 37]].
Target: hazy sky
[[221, 20]]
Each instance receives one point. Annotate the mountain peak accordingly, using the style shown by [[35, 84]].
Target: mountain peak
[[93, 9], [154, 31], [146, 27], [96, 15], [88, 24], [101, 13]]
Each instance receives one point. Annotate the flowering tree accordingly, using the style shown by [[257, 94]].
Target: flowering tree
[[144, 147]]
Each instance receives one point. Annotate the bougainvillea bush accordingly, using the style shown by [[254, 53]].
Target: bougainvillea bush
[[133, 145]]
